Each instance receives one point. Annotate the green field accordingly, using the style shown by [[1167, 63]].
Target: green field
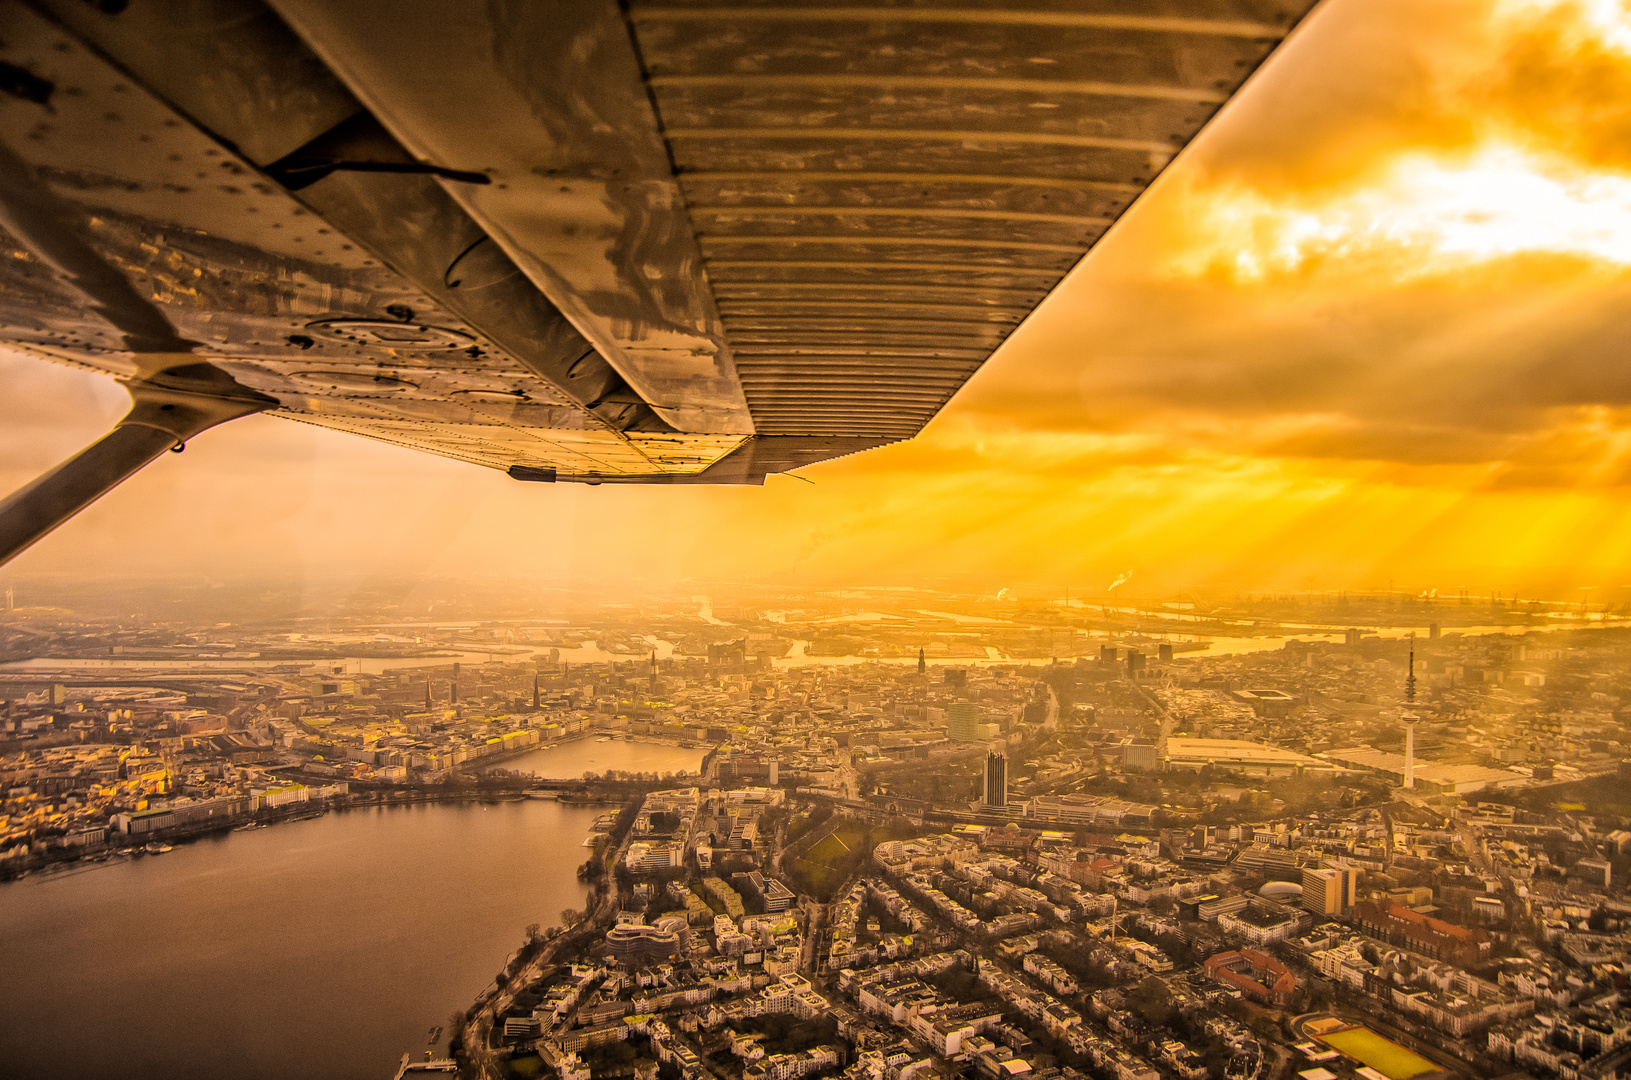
[[836, 856], [1380, 1054]]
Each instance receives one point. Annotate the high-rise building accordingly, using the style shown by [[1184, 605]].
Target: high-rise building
[[996, 779], [1322, 892], [963, 722], [1330, 890]]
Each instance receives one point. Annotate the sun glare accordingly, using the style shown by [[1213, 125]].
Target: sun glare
[[1607, 22], [1424, 216]]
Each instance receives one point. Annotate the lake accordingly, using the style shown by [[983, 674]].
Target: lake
[[322, 949], [571, 760]]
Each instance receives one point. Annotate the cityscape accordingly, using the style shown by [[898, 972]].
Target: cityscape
[[1394, 848], [702, 540]]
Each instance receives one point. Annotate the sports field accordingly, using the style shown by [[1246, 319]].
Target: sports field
[[1380, 1054]]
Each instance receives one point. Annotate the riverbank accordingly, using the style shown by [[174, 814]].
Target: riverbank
[[599, 752], [118, 847]]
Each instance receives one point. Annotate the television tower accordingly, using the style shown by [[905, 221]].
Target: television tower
[[1409, 717]]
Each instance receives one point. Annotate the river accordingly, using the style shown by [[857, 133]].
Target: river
[[322, 949]]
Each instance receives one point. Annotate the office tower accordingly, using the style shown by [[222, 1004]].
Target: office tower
[[996, 779], [1322, 892], [922, 663], [963, 722]]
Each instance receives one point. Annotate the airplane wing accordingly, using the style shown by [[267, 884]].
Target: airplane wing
[[667, 241]]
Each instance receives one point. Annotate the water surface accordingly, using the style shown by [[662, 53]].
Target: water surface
[[319, 949], [571, 760]]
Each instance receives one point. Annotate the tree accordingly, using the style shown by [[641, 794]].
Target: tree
[[534, 932], [1152, 1000]]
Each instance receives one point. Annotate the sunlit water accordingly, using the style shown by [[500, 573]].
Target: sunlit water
[[317, 949], [571, 760]]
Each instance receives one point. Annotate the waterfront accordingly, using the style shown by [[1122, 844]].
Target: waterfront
[[320, 949], [597, 753]]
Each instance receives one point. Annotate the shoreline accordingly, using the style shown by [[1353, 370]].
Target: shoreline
[[378, 798], [483, 788], [582, 736]]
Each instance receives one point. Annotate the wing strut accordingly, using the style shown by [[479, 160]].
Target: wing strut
[[167, 409]]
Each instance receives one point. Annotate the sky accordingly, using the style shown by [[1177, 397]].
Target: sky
[[1370, 330]]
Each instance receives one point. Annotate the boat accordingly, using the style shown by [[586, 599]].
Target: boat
[[157, 848], [608, 738]]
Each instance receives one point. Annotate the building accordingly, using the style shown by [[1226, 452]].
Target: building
[[650, 858], [1139, 753], [996, 779], [1238, 755], [1253, 973], [1599, 872], [181, 815], [1330, 890], [1431, 937], [1272, 703], [632, 940], [771, 894], [963, 722], [1450, 778]]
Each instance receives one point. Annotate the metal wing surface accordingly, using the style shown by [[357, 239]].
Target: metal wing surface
[[664, 241]]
